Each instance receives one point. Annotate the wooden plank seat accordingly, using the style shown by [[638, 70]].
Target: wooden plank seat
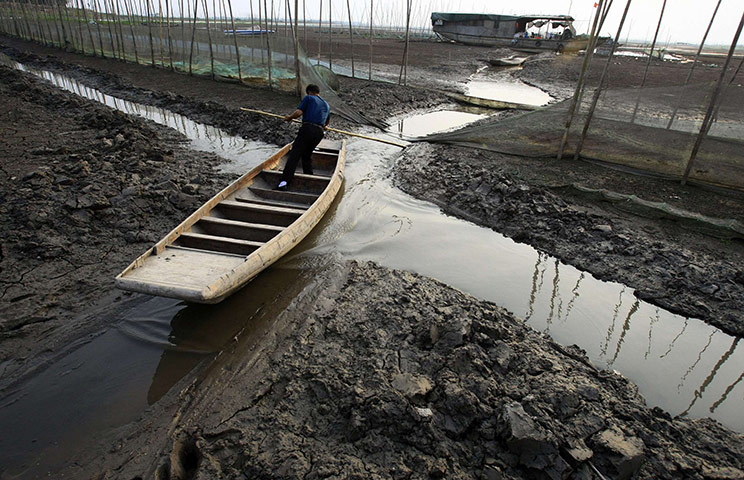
[[286, 196], [217, 244], [257, 232], [301, 182], [255, 213]]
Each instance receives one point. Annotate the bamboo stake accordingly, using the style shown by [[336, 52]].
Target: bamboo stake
[[209, 37], [694, 63], [193, 36], [168, 6], [707, 120], [371, 9], [259, 32], [116, 14], [404, 62], [149, 29], [235, 38], [297, 48], [320, 29], [160, 31], [69, 27], [351, 38], [182, 50], [131, 29], [343, 132], [579, 84], [648, 62], [330, 35], [43, 14], [268, 42], [602, 80], [100, 34], [37, 19], [90, 33]]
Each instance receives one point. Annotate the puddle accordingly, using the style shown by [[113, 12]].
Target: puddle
[[681, 365], [433, 122], [497, 86]]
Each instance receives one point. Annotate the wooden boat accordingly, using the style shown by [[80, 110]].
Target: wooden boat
[[523, 33], [240, 231]]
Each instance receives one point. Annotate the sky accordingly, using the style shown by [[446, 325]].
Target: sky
[[684, 20]]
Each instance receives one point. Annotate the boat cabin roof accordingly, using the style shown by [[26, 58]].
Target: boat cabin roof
[[465, 17]]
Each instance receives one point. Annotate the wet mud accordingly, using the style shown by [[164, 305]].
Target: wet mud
[[371, 372]]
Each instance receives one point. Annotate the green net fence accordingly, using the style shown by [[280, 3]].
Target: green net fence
[[199, 38]]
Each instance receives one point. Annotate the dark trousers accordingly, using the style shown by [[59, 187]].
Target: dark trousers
[[307, 139]]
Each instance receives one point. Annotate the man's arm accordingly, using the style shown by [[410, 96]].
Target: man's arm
[[296, 114]]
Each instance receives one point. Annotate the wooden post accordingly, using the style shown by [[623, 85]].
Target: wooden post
[[69, 26], [648, 62], [96, 8], [371, 10], [117, 12], [694, 63], [330, 35], [579, 84], [598, 91], [235, 37], [351, 38], [716, 93]]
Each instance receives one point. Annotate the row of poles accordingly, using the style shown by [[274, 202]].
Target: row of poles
[[116, 24], [602, 10]]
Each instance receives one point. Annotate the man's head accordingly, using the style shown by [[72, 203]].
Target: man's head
[[312, 89]]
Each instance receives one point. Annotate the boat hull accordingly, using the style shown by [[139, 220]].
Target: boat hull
[[531, 45], [205, 258]]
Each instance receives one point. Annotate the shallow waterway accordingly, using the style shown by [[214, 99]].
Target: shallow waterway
[[681, 365]]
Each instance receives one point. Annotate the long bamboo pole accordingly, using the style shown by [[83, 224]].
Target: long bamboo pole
[[602, 81], [149, 30], [320, 30], [330, 35], [343, 132], [714, 99], [90, 33], [371, 9], [111, 34], [168, 6]]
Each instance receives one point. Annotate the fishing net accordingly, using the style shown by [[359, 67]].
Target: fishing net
[[185, 37], [651, 130]]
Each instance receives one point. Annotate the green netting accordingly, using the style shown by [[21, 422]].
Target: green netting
[[630, 128], [198, 44]]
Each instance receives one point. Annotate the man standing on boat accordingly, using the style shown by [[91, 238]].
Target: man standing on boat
[[315, 113]]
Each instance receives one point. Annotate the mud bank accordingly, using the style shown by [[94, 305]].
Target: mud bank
[[668, 264], [373, 373], [83, 190]]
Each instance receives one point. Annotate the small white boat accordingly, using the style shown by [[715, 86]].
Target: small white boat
[[240, 231]]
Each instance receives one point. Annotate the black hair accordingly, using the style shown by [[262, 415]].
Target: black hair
[[312, 88]]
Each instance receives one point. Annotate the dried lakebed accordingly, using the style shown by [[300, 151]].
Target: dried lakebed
[[185, 446]]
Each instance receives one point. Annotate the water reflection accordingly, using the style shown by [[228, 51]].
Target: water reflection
[[433, 122]]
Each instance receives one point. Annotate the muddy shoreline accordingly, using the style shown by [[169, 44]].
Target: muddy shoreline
[[99, 187]]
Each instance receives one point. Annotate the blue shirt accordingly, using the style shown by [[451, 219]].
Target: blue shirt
[[314, 109]]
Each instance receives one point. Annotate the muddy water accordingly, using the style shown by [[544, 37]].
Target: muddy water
[[498, 85], [432, 122], [681, 365]]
